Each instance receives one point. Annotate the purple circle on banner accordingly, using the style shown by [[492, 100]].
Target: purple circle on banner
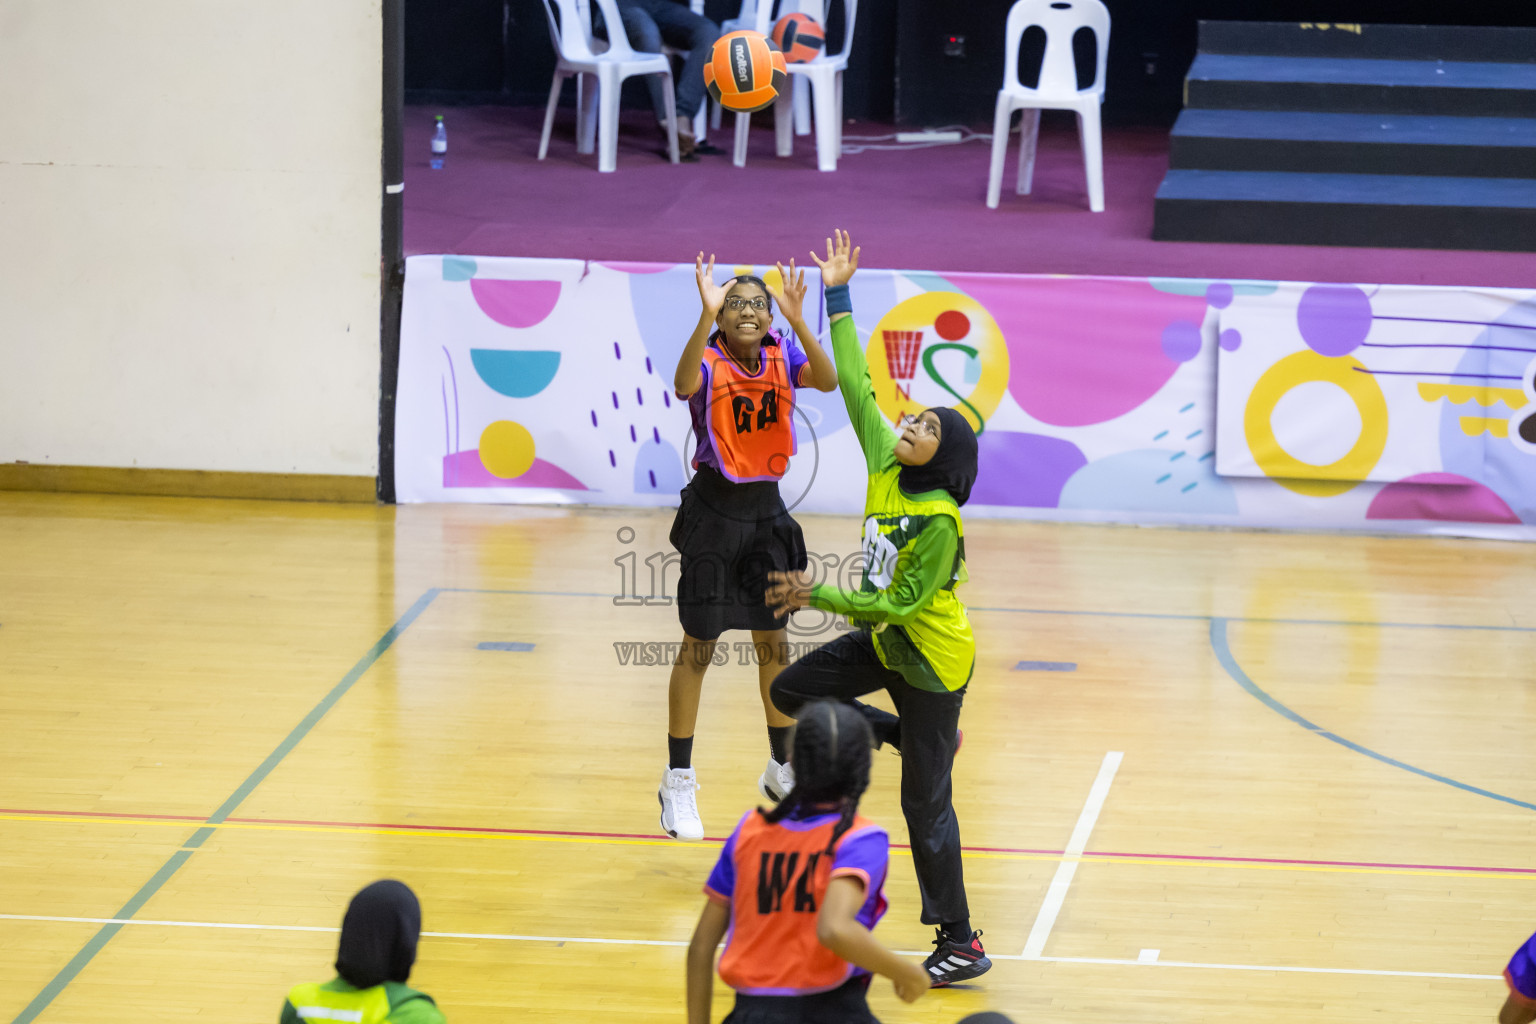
[[1231, 340], [1333, 319], [1219, 294], [1181, 341]]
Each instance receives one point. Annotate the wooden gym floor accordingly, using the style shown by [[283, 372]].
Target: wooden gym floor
[[1236, 776]]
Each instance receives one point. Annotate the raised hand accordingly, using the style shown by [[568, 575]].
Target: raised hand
[[842, 260], [712, 294], [791, 298]]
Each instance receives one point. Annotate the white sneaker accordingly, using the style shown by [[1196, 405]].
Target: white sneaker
[[679, 807], [776, 781]]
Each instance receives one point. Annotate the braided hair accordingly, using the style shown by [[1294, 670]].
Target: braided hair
[[831, 756]]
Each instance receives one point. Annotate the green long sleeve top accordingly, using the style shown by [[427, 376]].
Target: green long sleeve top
[[914, 549]]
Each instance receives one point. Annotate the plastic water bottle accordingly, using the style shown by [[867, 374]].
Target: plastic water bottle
[[439, 144]]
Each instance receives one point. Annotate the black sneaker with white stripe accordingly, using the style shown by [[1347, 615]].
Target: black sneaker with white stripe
[[955, 961]]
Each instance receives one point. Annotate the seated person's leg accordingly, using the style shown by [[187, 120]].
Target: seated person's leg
[[645, 37], [681, 28]]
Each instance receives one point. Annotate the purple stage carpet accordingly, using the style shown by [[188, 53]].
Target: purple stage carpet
[[912, 209]]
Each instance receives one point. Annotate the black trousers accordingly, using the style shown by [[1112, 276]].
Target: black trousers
[[923, 729], [845, 1004]]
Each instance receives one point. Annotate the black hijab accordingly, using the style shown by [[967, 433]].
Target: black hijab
[[379, 934], [953, 466]]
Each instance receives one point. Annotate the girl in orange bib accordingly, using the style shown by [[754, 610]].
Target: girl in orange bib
[[732, 529], [797, 890]]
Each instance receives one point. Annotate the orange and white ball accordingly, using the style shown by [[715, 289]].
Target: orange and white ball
[[800, 37], [745, 71]]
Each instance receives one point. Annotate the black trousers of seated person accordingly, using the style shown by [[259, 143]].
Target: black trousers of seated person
[[923, 729]]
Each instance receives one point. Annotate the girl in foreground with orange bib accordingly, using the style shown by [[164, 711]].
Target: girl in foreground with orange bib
[[739, 377], [796, 891]]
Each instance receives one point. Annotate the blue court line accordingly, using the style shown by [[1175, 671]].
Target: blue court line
[[1046, 666], [504, 645], [76, 964], [1074, 611], [1224, 655]]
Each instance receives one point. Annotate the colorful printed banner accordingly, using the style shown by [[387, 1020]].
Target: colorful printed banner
[[1094, 398], [1404, 386]]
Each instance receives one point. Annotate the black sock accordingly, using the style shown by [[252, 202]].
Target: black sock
[[679, 752], [778, 739], [958, 932]]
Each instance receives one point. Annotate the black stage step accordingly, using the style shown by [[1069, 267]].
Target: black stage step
[[1395, 211], [1380, 135], [1342, 85], [1264, 140], [1375, 42]]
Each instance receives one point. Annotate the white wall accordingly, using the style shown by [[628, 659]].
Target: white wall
[[189, 234]]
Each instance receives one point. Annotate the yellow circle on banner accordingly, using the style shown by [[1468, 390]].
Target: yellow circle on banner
[[506, 449], [901, 354], [1345, 372]]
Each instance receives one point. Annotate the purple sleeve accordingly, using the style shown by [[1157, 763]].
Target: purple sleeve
[[795, 356], [1522, 969], [722, 880], [865, 852], [703, 379], [698, 412]]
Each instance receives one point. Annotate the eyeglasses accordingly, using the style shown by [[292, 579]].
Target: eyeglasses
[[919, 425], [736, 302]]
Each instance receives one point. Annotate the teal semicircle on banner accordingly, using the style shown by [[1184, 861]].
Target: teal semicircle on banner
[[514, 373]]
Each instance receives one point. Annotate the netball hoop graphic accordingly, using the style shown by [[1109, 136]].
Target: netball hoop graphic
[[901, 351]]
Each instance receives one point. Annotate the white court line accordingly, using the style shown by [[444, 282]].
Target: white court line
[[1057, 893], [1248, 967], [678, 944]]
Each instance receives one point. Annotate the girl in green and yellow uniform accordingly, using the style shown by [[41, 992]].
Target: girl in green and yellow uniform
[[912, 637], [374, 959]]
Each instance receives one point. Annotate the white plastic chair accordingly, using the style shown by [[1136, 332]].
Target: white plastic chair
[[570, 30], [1057, 90], [825, 77]]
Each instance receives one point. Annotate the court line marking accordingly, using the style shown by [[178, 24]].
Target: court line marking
[[633, 839], [1181, 617], [679, 944], [77, 963], [1045, 920], [1223, 652], [174, 863]]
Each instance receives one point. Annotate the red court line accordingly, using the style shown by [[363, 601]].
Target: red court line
[[570, 834]]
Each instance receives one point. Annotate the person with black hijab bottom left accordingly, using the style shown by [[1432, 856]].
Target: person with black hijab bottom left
[[913, 637], [377, 950]]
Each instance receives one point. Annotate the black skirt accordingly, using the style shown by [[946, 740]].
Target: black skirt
[[843, 1005], [731, 536]]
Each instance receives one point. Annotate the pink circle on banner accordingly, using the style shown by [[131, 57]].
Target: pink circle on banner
[[1082, 350], [515, 303], [1440, 496], [630, 267]]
